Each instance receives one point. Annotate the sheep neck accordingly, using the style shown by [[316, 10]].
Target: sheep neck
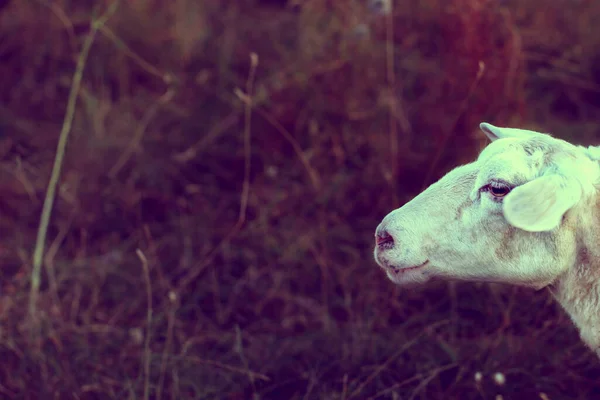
[[578, 289]]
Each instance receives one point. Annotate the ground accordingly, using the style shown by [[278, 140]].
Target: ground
[[225, 169]]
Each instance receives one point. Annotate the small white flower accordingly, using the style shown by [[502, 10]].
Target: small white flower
[[478, 376], [499, 378]]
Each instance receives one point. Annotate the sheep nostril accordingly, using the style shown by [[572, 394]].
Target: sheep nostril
[[384, 240]]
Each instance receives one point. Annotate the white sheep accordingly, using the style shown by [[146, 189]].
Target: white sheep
[[526, 213]]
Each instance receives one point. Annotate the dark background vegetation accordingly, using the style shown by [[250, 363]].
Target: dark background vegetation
[[261, 280]]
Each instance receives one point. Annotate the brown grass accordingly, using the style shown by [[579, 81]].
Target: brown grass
[[227, 164]]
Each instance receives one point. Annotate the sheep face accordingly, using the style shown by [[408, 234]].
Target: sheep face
[[511, 216]]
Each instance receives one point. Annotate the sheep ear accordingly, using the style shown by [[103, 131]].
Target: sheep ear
[[494, 132], [539, 205]]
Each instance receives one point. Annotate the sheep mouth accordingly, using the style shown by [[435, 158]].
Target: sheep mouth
[[396, 270]]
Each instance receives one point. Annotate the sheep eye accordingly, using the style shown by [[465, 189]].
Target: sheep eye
[[498, 190]]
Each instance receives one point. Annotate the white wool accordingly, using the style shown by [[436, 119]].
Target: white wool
[[525, 212]]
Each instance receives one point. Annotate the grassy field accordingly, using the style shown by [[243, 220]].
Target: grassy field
[[225, 166]]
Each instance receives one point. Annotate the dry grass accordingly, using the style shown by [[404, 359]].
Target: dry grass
[[227, 164]]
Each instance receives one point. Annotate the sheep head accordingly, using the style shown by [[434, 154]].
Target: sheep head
[[511, 216]]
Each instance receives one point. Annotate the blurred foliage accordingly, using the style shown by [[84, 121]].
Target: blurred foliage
[[357, 106]]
